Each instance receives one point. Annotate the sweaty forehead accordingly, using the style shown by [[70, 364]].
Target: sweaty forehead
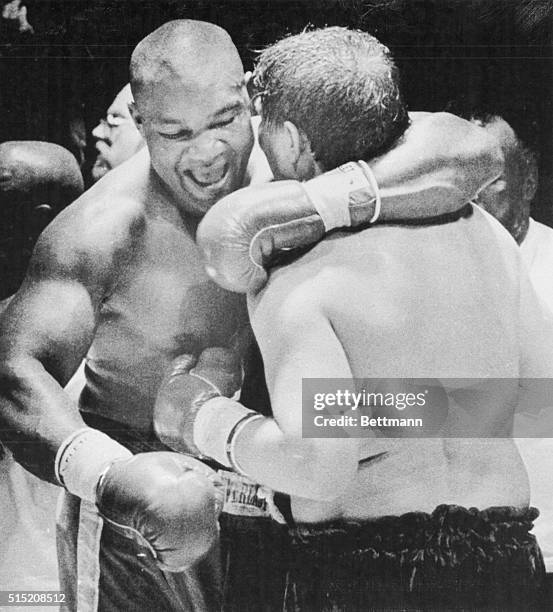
[[209, 72], [180, 100]]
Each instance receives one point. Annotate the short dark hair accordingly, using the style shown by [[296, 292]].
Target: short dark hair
[[339, 86]]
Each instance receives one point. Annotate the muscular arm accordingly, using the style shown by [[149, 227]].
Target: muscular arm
[[272, 451], [44, 334], [416, 184], [436, 168]]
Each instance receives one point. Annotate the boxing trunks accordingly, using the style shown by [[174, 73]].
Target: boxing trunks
[[451, 559]]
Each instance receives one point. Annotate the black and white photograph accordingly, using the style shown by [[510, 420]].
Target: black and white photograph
[[276, 305]]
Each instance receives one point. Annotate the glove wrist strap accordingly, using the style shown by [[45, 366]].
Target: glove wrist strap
[[341, 193], [83, 458], [215, 425], [233, 436]]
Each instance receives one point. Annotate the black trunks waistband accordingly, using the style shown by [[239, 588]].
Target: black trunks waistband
[[453, 558]]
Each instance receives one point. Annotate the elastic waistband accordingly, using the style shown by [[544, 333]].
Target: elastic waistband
[[416, 529]]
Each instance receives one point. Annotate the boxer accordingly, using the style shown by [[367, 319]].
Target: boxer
[[118, 278], [385, 521]]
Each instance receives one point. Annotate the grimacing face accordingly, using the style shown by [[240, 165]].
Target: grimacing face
[[199, 136]]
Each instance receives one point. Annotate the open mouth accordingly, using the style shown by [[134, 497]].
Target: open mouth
[[210, 177]]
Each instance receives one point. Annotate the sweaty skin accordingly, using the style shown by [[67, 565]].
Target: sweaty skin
[[109, 273], [408, 302], [159, 309], [118, 274]]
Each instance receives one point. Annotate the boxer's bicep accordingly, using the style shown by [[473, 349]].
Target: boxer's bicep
[[53, 315], [440, 164], [297, 341], [52, 322], [44, 333]]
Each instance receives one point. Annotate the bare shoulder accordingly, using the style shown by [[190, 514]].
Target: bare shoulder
[[296, 293]]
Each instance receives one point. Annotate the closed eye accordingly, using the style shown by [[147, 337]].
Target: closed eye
[[222, 124], [183, 135]]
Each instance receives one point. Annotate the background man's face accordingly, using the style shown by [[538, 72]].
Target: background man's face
[[505, 198], [199, 136], [117, 138]]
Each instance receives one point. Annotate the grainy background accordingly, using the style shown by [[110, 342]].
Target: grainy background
[[454, 54]]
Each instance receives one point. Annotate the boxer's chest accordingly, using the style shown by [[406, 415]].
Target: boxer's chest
[[165, 300]]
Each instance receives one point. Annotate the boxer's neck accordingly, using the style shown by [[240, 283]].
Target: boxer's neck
[[165, 203]]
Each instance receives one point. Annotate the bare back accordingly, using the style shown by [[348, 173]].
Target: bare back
[[438, 301]]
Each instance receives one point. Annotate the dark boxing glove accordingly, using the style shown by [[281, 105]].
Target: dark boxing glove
[[166, 502], [186, 387]]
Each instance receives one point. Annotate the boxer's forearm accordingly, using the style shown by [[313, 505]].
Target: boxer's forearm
[[35, 415], [44, 334], [438, 166], [256, 446], [297, 466]]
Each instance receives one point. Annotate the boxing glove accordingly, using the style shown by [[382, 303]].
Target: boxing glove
[[439, 164], [164, 501], [242, 234], [186, 387]]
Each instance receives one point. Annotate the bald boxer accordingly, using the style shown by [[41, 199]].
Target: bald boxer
[[118, 277], [37, 180], [117, 138], [383, 521]]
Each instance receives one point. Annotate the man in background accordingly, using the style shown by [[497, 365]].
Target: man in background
[[509, 199], [117, 138]]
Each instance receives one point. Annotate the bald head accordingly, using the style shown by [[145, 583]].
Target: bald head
[[192, 108], [191, 51], [38, 172], [37, 180]]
